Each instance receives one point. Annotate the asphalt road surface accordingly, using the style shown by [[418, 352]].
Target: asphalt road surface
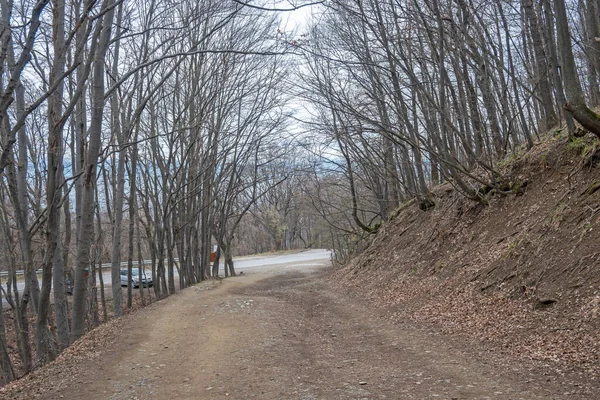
[[306, 258], [302, 258]]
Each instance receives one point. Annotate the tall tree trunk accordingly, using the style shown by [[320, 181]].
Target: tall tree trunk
[[89, 178], [5, 364], [21, 335], [117, 293], [576, 104], [100, 239], [53, 255], [140, 259], [555, 67], [21, 307], [592, 32], [59, 273], [132, 221], [228, 262], [170, 259], [513, 79], [18, 187]]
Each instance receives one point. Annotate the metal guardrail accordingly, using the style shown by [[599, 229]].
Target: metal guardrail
[[102, 266]]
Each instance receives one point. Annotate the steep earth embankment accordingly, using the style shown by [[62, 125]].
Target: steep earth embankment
[[520, 276]]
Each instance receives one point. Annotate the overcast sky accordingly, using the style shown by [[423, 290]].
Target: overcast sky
[[295, 19]]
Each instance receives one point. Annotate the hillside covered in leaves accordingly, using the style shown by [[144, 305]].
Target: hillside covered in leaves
[[520, 274]]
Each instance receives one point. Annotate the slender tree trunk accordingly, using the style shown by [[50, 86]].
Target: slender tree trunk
[[53, 256], [140, 259], [115, 270], [89, 179], [21, 335], [592, 24], [576, 104], [132, 221], [60, 297], [555, 67], [100, 239], [228, 262], [5, 364], [170, 259]]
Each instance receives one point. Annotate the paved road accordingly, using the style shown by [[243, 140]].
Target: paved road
[[305, 258]]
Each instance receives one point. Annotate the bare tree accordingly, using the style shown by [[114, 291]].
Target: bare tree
[[576, 102]]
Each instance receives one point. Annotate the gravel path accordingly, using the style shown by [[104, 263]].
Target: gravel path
[[282, 333]]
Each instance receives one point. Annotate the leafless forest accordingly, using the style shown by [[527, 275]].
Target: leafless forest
[[154, 130]]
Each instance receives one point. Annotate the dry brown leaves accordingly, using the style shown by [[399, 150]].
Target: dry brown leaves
[[477, 272]]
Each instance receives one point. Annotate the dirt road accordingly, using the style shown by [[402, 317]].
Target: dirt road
[[283, 333]]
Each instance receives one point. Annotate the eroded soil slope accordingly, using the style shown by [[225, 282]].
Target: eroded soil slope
[[520, 276]]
